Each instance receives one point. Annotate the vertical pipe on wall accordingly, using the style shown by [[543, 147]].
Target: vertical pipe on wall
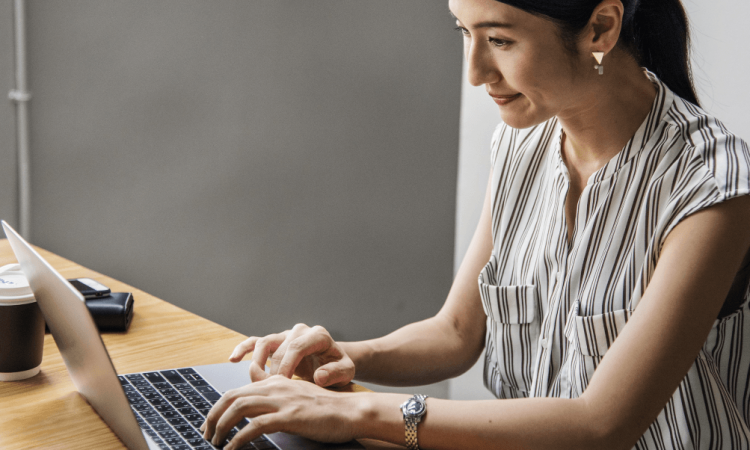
[[21, 97]]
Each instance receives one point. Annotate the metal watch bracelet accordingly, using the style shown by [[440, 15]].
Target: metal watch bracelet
[[413, 410]]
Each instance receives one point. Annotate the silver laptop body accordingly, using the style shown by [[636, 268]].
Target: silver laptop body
[[93, 374]]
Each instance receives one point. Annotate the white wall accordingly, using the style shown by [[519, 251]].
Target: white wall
[[721, 67]]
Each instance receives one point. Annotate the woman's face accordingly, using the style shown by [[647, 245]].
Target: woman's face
[[521, 60]]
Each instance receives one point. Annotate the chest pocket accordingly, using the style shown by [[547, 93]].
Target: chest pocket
[[512, 333], [590, 337]]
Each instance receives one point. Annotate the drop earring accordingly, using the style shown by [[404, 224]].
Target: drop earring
[[599, 66]]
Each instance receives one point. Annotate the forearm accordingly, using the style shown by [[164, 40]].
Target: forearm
[[540, 423], [419, 353]]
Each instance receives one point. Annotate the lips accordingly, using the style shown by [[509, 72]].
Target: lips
[[504, 99]]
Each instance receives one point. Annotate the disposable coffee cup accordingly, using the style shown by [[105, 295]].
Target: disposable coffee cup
[[21, 327]]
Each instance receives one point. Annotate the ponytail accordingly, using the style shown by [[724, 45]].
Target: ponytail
[[659, 36], [655, 32]]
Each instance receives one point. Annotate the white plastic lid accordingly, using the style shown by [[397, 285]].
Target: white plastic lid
[[14, 287]]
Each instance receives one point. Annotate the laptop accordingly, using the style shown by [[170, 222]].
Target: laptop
[[149, 410]]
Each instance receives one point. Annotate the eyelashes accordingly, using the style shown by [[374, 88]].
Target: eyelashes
[[497, 42]]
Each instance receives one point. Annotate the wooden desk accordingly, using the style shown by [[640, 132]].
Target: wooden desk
[[47, 412]]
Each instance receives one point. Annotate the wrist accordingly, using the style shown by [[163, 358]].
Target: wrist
[[378, 416], [360, 353]]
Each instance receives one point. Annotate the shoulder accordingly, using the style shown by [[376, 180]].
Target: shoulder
[[710, 149]]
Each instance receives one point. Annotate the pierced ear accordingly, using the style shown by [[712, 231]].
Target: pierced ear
[[606, 22]]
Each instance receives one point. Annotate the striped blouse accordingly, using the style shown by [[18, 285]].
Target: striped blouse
[[553, 309]]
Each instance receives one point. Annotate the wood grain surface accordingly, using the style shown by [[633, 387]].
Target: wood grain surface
[[46, 411]]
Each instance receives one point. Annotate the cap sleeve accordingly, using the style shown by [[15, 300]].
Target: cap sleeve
[[711, 172]]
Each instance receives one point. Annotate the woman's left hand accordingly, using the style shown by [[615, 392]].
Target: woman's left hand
[[280, 404]]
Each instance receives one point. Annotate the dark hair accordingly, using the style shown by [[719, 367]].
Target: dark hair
[[655, 32]]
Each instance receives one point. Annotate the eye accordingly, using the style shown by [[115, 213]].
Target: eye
[[498, 42], [463, 31]]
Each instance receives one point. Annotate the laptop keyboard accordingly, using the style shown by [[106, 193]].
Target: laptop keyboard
[[171, 405]]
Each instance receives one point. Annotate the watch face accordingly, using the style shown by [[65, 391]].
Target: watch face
[[414, 407]]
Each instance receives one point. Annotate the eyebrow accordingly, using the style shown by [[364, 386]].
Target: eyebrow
[[487, 24]]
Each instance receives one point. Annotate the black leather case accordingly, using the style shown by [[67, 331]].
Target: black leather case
[[112, 312]]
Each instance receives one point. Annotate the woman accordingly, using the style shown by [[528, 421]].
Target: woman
[[614, 200]]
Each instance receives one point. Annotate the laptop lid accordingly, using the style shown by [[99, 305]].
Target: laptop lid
[[78, 339]]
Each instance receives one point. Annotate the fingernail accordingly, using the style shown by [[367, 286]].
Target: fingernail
[[323, 377]]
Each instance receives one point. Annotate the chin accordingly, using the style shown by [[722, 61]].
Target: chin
[[522, 121]]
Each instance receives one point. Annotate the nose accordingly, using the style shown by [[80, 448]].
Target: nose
[[481, 67]]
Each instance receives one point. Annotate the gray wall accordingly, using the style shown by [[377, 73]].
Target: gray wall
[[8, 177], [258, 163]]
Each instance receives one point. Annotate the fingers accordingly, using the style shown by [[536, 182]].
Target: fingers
[[245, 347], [297, 331], [257, 407], [335, 373], [209, 426], [265, 346], [257, 373], [257, 427], [309, 344]]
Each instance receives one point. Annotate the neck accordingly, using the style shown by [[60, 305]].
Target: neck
[[610, 112]]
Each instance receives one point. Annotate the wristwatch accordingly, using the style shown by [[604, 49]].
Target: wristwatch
[[413, 410]]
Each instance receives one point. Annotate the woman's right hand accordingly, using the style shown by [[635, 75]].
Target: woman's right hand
[[309, 353]]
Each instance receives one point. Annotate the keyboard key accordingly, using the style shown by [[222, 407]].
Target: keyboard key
[[205, 389], [186, 370], [177, 421], [182, 447], [213, 397], [197, 383], [142, 406], [157, 401], [155, 420], [150, 432], [172, 376], [198, 442], [164, 407], [168, 391], [188, 377], [174, 441], [204, 411], [202, 405], [195, 398], [134, 376], [174, 398], [152, 396], [193, 417], [186, 411], [197, 424], [180, 404], [154, 377], [190, 435], [186, 389], [161, 427], [183, 428], [149, 413], [168, 434], [171, 414]]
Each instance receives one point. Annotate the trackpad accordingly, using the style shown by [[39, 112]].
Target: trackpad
[[291, 442]]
